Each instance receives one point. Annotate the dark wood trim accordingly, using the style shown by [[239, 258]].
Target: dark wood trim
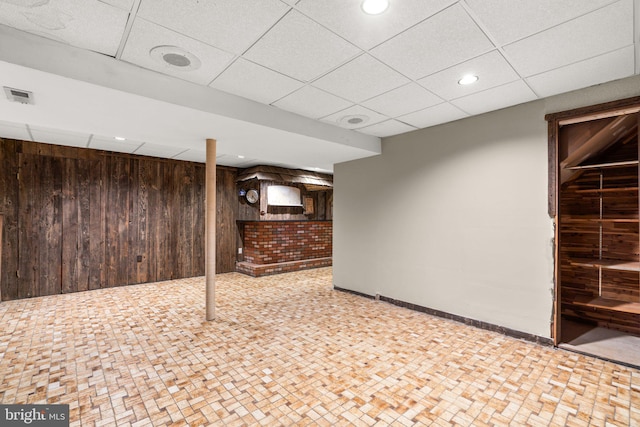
[[552, 142], [557, 301], [606, 109], [467, 321]]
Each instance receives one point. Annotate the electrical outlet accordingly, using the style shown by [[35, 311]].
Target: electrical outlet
[[139, 258], [239, 251]]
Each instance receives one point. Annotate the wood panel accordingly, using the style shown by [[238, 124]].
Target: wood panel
[[226, 214], [117, 225], [198, 221], [71, 237], [39, 225], [78, 219], [182, 195], [9, 151], [144, 270]]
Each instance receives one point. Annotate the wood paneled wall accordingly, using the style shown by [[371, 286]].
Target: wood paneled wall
[[227, 237], [77, 219]]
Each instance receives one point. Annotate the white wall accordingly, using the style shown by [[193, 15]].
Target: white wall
[[454, 217]]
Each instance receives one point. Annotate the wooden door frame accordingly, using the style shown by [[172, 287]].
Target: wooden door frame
[[555, 121]]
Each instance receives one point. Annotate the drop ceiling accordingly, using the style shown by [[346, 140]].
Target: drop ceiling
[[278, 81]]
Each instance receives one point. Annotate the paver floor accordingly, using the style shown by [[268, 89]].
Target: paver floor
[[290, 350]]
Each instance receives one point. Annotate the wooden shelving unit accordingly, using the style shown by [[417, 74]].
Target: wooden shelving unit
[[599, 232]]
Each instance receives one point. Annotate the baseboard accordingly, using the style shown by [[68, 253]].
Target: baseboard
[[467, 321]]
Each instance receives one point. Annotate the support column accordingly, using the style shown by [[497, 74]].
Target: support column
[[210, 230]]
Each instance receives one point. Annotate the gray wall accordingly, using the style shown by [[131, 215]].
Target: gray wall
[[454, 217]]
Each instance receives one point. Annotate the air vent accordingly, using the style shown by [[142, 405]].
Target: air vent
[[175, 58], [353, 121], [19, 95]]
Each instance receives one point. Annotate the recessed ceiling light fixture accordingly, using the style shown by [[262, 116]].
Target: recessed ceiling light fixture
[[240, 156], [119, 138], [468, 79], [374, 7], [175, 57]]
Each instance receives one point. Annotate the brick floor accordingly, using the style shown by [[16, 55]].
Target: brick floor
[[289, 350]]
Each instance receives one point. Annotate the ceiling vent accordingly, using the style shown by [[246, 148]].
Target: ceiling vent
[[353, 121], [175, 58], [19, 95]]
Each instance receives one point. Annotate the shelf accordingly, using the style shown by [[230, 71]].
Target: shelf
[[608, 304], [607, 264], [607, 190], [635, 233], [598, 220], [605, 165]]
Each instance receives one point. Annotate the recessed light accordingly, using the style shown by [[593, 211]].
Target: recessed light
[[374, 7], [240, 156], [175, 57], [468, 79], [119, 138]]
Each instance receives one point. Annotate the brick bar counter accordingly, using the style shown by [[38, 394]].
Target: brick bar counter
[[272, 247]]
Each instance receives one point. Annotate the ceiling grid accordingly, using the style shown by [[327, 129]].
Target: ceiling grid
[[329, 62]]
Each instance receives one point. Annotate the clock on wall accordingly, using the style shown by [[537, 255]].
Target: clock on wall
[[252, 196]]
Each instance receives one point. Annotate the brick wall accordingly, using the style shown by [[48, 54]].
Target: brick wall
[[277, 246]]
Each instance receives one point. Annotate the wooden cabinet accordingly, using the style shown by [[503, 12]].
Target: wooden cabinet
[[599, 229]]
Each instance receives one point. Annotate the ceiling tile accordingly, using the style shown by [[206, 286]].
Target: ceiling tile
[[122, 4], [611, 66], [360, 79], [88, 24], [370, 117], [110, 144], [59, 137], [602, 31], [199, 156], [493, 99], [491, 68], [508, 20], [301, 48], [441, 41], [255, 82], [14, 131], [347, 19], [145, 36], [432, 116], [230, 25], [406, 99], [155, 150], [387, 128], [312, 102]]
